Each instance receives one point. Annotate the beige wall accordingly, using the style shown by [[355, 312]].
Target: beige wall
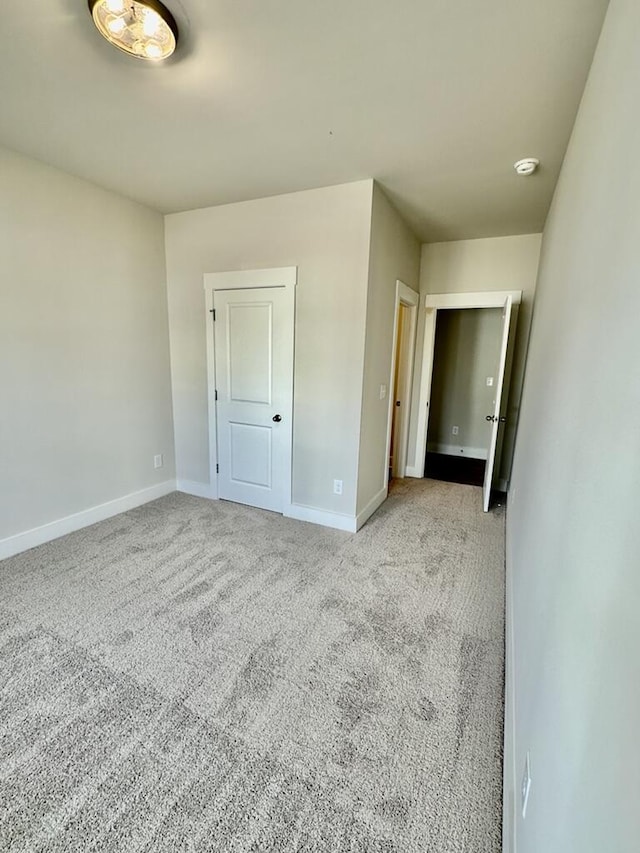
[[573, 541], [467, 351], [325, 233], [394, 254], [84, 356], [497, 263]]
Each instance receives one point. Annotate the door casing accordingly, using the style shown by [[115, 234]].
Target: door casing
[[280, 277], [408, 298], [434, 302]]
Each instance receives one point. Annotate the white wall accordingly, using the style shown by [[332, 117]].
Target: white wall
[[394, 254], [496, 263], [573, 546], [84, 358], [325, 233]]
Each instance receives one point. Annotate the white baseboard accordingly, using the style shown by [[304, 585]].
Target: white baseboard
[[372, 506], [321, 516], [199, 490], [70, 523], [457, 450]]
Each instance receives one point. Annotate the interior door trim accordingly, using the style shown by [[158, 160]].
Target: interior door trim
[[434, 302], [251, 279], [480, 299], [276, 277], [408, 298]]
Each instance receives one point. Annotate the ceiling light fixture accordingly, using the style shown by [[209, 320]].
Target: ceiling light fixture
[[527, 166], [143, 28]]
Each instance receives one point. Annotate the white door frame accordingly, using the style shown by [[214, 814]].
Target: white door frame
[[410, 299], [281, 277], [434, 302]]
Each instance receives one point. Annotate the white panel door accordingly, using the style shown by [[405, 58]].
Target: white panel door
[[495, 417], [253, 335]]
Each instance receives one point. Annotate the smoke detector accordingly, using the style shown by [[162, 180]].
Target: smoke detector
[[527, 166]]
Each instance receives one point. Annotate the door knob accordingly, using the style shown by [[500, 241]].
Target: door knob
[[277, 418]]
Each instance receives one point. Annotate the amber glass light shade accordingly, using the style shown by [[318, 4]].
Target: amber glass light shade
[[143, 28]]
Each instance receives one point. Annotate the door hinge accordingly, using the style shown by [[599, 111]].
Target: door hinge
[[217, 469], [216, 393], [213, 312]]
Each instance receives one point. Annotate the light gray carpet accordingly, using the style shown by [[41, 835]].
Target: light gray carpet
[[201, 676]]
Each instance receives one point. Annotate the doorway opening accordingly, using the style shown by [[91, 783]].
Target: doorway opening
[[401, 379], [465, 363], [464, 386]]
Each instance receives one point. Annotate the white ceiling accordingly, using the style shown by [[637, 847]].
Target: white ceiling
[[434, 98]]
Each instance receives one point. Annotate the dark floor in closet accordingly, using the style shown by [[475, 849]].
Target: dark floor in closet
[[454, 469]]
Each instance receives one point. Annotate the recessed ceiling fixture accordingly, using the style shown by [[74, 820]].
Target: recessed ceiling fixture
[[143, 28], [527, 166]]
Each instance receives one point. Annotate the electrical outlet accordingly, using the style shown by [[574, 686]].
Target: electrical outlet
[[489, 381], [455, 430], [526, 786], [337, 487], [158, 461], [383, 392]]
